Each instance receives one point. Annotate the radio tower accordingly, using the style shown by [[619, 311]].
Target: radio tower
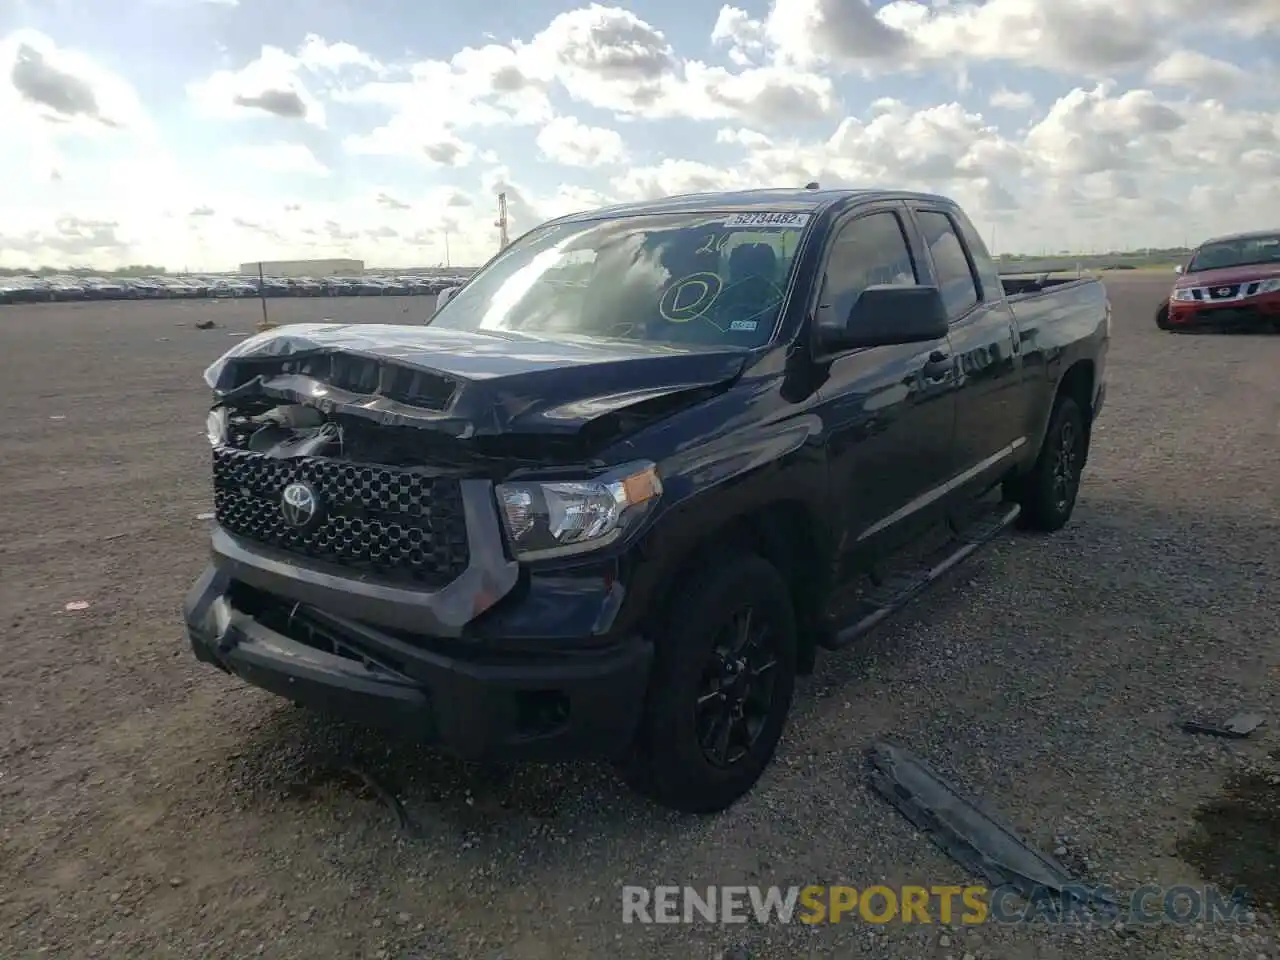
[[501, 222]]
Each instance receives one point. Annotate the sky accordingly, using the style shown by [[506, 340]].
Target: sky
[[199, 134]]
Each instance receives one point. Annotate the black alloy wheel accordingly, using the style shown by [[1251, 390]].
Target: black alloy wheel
[[1047, 494], [1067, 454], [737, 688], [720, 689]]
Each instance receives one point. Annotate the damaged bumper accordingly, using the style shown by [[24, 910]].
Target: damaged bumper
[[477, 699]]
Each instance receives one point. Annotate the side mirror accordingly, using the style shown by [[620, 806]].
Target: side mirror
[[886, 315], [445, 295], [1179, 268]]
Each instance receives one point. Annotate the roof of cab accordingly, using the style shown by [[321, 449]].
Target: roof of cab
[[790, 200]]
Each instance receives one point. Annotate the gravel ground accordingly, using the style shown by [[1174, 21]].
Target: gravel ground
[[155, 807]]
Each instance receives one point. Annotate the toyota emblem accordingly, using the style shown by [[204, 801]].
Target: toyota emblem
[[299, 505]]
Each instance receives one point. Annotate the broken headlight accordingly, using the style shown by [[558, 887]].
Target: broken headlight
[[556, 518], [215, 426]]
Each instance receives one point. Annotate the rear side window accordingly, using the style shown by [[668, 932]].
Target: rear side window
[[983, 265], [955, 278], [868, 251]]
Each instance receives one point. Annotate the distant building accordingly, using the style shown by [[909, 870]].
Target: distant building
[[304, 268]]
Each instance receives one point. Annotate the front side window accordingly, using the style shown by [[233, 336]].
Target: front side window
[[704, 279], [868, 251]]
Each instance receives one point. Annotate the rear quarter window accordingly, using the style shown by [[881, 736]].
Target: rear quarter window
[[954, 276], [983, 265]]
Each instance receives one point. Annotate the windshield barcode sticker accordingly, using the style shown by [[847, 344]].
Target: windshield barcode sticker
[[789, 221]]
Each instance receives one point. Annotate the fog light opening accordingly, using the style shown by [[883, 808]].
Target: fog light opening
[[540, 713]]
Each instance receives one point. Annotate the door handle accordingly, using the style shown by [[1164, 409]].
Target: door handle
[[938, 366]]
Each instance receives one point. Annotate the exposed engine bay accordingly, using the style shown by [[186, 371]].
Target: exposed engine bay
[[291, 430], [448, 402], [294, 430], [299, 430]]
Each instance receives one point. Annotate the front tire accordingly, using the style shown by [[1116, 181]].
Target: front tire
[[1048, 493], [1162, 316], [723, 677]]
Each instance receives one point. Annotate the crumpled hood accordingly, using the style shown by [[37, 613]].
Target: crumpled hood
[[463, 383], [1209, 278]]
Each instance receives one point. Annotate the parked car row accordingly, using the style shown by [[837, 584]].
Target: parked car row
[[64, 288]]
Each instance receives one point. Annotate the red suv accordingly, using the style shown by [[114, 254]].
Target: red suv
[[1231, 281]]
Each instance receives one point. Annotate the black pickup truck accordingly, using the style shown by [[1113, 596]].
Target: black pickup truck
[[621, 488]]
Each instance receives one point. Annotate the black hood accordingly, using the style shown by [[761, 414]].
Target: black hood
[[462, 383]]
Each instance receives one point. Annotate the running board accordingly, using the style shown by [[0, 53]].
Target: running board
[[900, 589]]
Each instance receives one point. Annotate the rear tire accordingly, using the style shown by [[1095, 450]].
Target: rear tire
[[721, 687], [1048, 493]]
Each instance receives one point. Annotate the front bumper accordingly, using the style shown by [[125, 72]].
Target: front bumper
[[477, 700], [1258, 311]]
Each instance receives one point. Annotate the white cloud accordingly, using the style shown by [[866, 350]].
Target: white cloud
[[55, 85], [1049, 147], [59, 104], [284, 85], [1201, 74], [602, 57], [744, 37], [743, 137], [430, 144], [770, 96], [575, 144], [1099, 166], [433, 103], [1084, 38], [610, 59], [286, 158], [318, 54], [270, 86], [1004, 99]]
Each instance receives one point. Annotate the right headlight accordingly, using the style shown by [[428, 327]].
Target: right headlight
[[558, 518], [1182, 296], [215, 426]]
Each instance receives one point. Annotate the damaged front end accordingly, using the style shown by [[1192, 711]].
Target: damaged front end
[[412, 472], [379, 499], [542, 401]]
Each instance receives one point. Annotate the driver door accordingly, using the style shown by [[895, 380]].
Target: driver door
[[888, 412]]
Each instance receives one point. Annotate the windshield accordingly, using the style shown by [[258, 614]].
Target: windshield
[[1236, 253], [705, 279]]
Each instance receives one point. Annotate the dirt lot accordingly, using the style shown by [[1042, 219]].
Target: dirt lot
[[151, 806]]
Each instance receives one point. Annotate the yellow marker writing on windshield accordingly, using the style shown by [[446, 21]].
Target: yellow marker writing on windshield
[[713, 243], [690, 297]]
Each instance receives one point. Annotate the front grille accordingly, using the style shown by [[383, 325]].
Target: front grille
[[1224, 292], [396, 524]]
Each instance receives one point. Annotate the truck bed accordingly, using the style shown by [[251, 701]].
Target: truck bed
[[1023, 284], [1017, 285]]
